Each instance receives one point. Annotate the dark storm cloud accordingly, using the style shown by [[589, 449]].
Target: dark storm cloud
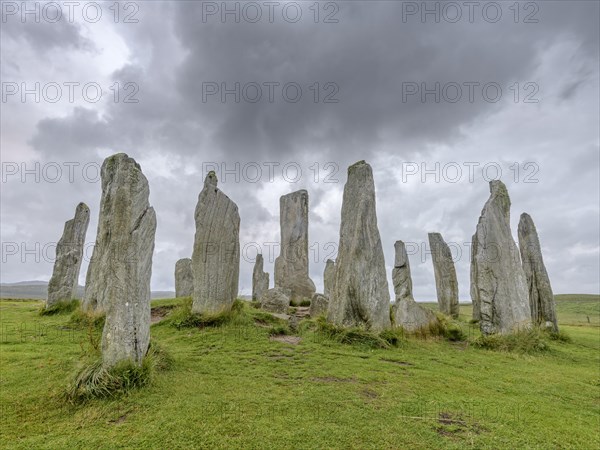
[[368, 54]]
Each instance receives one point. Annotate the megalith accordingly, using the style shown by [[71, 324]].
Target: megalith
[[69, 254], [319, 304], [260, 279], [499, 287], [118, 278], [406, 312], [291, 266], [184, 278], [275, 300], [541, 297], [328, 277], [360, 296], [446, 283], [216, 256]]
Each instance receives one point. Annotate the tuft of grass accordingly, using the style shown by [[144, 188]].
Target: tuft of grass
[[62, 307], [255, 304], [94, 381], [393, 337], [279, 330], [304, 302], [351, 336], [525, 341], [560, 336], [183, 317], [82, 319]]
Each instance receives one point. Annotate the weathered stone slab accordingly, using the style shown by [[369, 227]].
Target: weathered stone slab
[[328, 277], [216, 256], [260, 279], [445, 275], [118, 280], [499, 287], [275, 300], [406, 312], [318, 305], [184, 278], [360, 295], [291, 266], [69, 254], [541, 297]]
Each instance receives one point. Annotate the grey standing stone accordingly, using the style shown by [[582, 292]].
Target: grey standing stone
[[446, 283], [184, 278], [69, 254], [216, 256], [541, 297], [291, 266], [473, 286], [319, 304], [118, 282], [328, 277], [275, 300], [499, 287], [401, 273], [406, 312], [260, 279], [360, 293]]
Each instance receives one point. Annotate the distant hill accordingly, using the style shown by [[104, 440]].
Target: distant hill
[[39, 290]]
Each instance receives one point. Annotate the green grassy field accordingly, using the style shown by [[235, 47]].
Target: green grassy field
[[233, 387]]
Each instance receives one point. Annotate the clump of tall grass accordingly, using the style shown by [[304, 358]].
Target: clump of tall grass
[[522, 341], [95, 381], [351, 336], [62, 307], [183, 317]]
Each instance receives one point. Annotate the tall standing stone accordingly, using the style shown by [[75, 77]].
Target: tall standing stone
[[541, 297], [360, 293], [473, 285], [260, 279], [328, 277], [291, 266], [407, 313], [184, 278], [499, 287], [216, 256], [446, 283], [69, 254], [118, 279]]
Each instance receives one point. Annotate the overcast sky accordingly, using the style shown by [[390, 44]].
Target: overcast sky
[[517, 98]]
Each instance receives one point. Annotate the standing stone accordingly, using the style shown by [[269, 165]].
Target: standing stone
[[360, 293], [275, 300], [473, 276], [69, 254], [216, 256], [319, 304], [499, 286], [541, 297], [118, 279], [328, 277], [184, 278], [291, 266], [407, 313], [260, 279], [446, 283]]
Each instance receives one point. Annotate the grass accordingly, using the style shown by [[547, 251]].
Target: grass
[[62, 307], [93, 381], [231, 386]]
